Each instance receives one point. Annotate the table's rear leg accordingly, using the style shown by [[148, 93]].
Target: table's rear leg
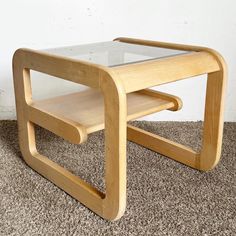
[[212, 134], [213, 120]]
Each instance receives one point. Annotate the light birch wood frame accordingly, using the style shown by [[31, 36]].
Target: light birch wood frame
[[110, 205], [115, 83], [214, 65]]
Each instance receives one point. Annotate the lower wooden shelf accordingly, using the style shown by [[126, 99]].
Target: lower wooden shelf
[[86, 108]]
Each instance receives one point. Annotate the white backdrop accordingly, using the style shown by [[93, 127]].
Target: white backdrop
[[44, 24]]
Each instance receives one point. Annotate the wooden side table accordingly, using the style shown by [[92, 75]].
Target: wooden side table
[[119, 74]]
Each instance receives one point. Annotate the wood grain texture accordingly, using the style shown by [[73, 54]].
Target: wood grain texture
[[62, 67], [73, 185], [162, 71], [66, 128], [178, 104], [84, 111], [109, 205], [215, 97], [116, 87], [115, 146], [213, 119], [166, 147]]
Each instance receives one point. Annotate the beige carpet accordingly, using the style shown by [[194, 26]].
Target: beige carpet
[[163, 196]]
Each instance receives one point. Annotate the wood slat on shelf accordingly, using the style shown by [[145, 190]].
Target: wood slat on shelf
[[86, 108]]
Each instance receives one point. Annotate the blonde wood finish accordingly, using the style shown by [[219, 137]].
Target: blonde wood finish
[[115, 102], [168, 97], [115, 86], [169, 45], [65, 68], [78, 111], [109, 205], [213, 119], [163, 146], [209, 156], [156, 73], [68, 129]]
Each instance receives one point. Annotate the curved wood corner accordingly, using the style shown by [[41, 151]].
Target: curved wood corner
[[115, 102], [210, 154], [115, 83], [213, 119], [170, 69], [68, 129], [178, 104], [112, 204], [73, 185]]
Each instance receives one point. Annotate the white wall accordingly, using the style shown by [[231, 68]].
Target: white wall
[[44, 24]]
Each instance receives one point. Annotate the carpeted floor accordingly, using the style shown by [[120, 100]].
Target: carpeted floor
[[163, 196]]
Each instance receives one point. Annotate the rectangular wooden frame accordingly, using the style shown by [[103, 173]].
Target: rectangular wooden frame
[[114, 84]]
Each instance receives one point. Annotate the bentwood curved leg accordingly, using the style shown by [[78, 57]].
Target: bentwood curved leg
[[210, 154], [118, 93], [213, 120], [109, 205]]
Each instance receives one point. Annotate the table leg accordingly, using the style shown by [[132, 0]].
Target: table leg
[[213, 121], [115, 147], [212, 134], [110, 205]]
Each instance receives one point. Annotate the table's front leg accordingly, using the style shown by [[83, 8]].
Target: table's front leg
[[115, 147], [75, 186], [110, 205]]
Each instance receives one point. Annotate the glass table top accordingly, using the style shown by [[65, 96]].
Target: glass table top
[[114, 53]]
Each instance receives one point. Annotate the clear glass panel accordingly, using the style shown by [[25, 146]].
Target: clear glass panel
[[114, 53]]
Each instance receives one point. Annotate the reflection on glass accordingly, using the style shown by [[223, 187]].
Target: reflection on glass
[[114, 53]]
